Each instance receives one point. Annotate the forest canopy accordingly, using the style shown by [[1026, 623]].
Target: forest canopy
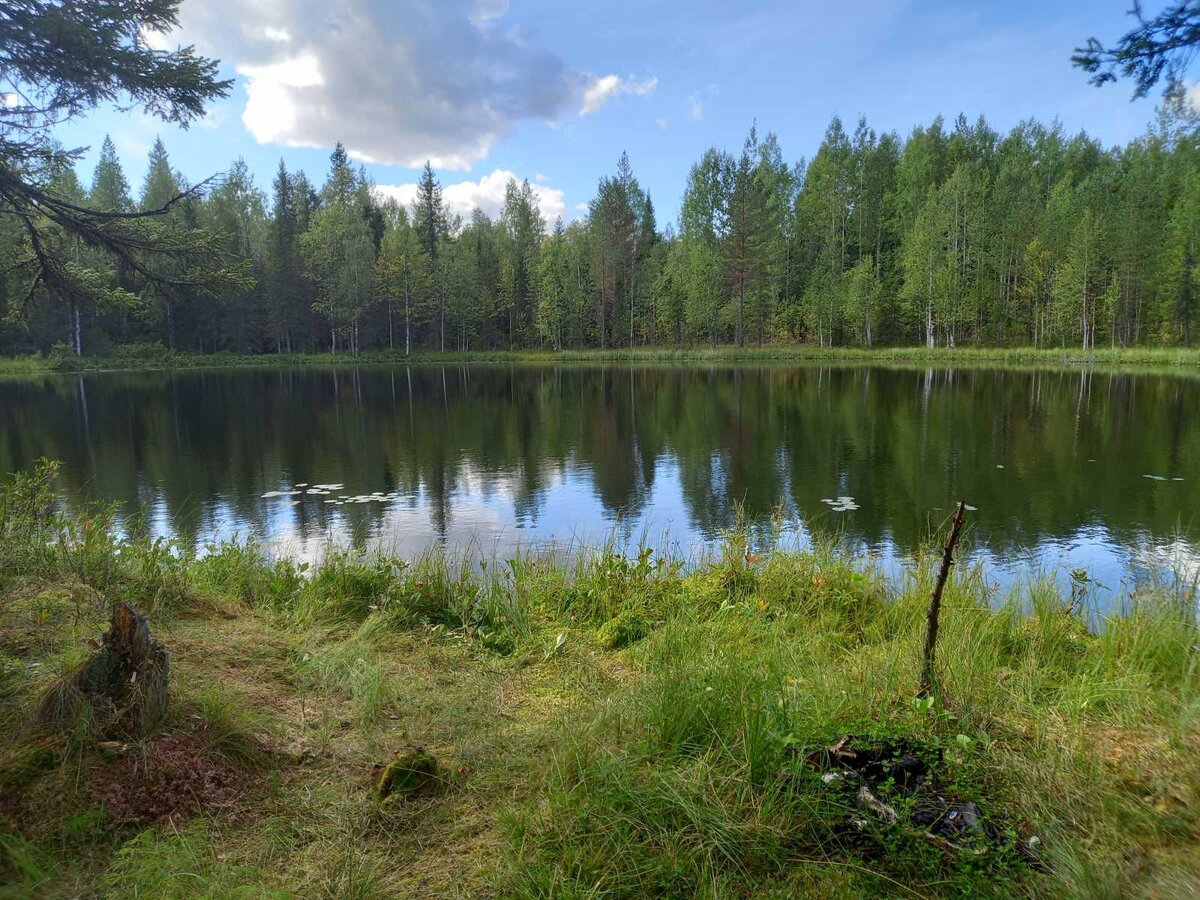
[[59, 61], [950, 235]]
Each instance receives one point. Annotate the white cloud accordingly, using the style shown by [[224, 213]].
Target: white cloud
[[599, 93], [155, 40], [272, 107], [603, 89], [485, 10], [214, 116], [464, 197], [661, 123], [581, 207], [1193, 96], [695, 108], [641, 88], [398, 83], [539, 177], [404, 194]]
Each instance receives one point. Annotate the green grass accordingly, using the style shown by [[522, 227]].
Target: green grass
[[151, 357], [606, 727]]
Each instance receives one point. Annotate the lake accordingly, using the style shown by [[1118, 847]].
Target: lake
[[1065, 469]]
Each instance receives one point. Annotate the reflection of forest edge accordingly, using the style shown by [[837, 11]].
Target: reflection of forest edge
[[200, 447]]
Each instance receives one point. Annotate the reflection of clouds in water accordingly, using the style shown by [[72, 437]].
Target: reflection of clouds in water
[[491, 513], [1112, 567], [483, 517], [1179, 557]]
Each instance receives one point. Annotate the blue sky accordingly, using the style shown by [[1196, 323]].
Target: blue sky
[[554, 91]]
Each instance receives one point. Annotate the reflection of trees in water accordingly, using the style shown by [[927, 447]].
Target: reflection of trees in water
[[904, 443]]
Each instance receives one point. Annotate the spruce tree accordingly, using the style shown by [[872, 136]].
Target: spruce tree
[[69, 58], [431, 222]]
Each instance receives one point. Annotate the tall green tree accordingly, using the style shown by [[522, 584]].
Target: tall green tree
[[432, 223], [283, 262], [339, 254], [523, 230], [400, 273], [1181, 282], [63, 60], [236, 209]]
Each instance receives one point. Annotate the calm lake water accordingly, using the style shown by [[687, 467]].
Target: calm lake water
[[1066, 469]]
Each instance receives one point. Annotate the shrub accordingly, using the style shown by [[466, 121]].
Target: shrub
[[242, 572], [348, 587]]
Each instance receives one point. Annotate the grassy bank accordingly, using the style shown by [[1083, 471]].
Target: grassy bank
[[609, 728], [155, 357]]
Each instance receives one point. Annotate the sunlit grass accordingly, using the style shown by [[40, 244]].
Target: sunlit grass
[[156, 357], [607, 723]]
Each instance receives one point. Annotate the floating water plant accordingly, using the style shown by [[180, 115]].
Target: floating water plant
[[841, 504]]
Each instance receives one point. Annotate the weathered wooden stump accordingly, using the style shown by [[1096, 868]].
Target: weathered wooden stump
[[124, 681]]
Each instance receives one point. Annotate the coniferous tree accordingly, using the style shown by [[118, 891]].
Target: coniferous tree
[[110, 187], [953, 236], [431, 221], [1181, 281], [68, 58], [283, 263]]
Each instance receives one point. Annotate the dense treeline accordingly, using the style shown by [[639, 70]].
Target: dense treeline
[[955, 235]]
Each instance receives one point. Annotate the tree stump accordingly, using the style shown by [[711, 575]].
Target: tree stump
[[124, 681]]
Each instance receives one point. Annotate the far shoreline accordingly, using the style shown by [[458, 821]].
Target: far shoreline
[[154, 357]]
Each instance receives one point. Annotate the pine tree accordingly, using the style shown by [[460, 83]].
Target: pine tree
[[283, 260], [162, 183], [613, 223], [69, 58], [161, 186], [340, 184], [432, 224], [743, 243], [523, 229], [110, 188]]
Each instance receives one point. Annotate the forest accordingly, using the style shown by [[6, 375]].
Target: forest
[[956, 235]]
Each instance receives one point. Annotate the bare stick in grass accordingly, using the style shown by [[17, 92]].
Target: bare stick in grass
[[935, 603]]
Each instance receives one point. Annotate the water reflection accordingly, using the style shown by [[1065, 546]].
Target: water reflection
[[1055, 462]]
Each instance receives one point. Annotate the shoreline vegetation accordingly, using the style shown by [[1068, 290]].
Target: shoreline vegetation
[[951, 234], [155, 357], [612, 726]]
